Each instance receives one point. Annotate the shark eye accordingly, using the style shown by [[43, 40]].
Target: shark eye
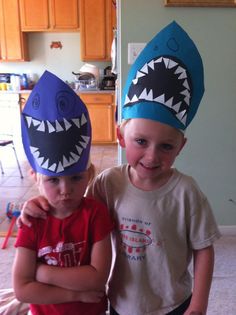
[[65, 103], [36, 101]]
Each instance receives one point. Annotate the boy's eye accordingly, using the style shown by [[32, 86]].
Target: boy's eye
[[167, 146], [53, 180], [76, 178], [141, 141]]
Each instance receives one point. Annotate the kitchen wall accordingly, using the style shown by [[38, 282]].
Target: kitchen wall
[[59, 61], [210, 154]]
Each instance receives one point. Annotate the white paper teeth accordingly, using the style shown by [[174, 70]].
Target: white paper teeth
[[59, 126], [50, 127], [83, 120], [151, 64], [181, 74], [36, 122], [144, 69], [28, 120], [166, 62], [172, 64], [41, 127], [65, 125]]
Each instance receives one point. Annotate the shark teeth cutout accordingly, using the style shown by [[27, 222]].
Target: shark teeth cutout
[[143, 95], [176, 103], [127, 100], [151, 64], [50, 127], [41, 127], [36, 122], [56, 126], [134, 99], [145, 68], [67, 124], [83, 120]]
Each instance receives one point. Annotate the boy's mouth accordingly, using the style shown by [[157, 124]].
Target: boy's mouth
[[68, 134], [150, 85]]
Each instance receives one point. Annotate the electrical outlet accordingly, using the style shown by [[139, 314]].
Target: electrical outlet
[[134, 50]]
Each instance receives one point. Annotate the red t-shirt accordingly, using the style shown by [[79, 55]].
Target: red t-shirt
[[67, 243]]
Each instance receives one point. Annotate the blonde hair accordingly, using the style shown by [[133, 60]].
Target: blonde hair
[[122, 125]]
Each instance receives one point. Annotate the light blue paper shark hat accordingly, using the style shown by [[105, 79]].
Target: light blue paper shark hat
[[56, 129], [166, 81]]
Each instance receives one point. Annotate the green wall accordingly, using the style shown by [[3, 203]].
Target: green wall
[[210, 154]]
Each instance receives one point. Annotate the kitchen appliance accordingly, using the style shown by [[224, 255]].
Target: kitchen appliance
[[85, 81], [87, 78], [109, 80]]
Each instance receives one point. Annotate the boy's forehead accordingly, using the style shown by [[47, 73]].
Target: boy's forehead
[[149, 127]]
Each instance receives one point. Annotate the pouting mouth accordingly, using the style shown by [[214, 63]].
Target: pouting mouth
[[57, 145], [163, 80]]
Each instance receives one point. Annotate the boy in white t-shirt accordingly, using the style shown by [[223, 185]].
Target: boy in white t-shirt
[[162, 217]]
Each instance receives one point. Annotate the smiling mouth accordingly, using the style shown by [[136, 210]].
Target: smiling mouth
[[70, 138], [148, 167], [163, 80]]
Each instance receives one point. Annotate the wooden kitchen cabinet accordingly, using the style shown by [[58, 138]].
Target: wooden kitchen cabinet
[[97, 21], [13, 43], [49, 15], [101, 109]]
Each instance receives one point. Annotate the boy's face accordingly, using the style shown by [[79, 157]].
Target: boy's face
[[151, 148], [64, 193]]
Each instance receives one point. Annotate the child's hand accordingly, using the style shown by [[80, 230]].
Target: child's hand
[[90, 296], [35, 207]]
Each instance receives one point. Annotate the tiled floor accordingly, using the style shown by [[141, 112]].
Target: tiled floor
[[15, 189]]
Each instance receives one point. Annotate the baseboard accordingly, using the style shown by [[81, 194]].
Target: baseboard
[[228, 230]]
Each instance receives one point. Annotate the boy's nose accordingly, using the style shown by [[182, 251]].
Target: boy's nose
[[65, 188], [152, 154]]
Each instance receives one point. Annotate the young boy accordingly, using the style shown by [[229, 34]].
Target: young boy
[[76, 234], [162, 217]]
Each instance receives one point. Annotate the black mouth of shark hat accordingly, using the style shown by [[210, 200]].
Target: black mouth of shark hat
[[57, 145], [164, 80]]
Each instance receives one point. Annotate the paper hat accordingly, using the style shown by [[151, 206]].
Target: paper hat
[[166, 81], [56, 129]]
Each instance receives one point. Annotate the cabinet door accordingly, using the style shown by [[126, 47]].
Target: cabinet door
[[34, 15], [65, 14], [102, 114], [13, 41], [93, 29], [102, 117]]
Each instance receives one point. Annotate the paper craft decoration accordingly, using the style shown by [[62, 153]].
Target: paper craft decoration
[[166, 82], [56, 128]]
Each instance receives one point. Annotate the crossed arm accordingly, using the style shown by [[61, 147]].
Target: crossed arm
[[51, 285]]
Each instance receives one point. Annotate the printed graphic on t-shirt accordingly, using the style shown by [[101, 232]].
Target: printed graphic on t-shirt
[[136, 236], [63, 254]]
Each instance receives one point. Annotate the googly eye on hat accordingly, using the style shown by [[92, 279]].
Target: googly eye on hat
[[166, 81], [56, 128]]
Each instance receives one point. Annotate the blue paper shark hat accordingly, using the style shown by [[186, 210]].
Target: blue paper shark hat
[[166, 81], [56, 129]]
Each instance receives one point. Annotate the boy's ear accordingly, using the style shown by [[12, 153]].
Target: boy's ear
[[120, 137], [33, 174], [183, 144]]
